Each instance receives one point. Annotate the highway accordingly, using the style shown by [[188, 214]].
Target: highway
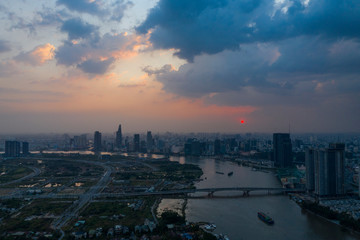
[[85, 198], [31, 175]]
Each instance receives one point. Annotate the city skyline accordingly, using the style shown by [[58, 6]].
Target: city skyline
[[157, 65]]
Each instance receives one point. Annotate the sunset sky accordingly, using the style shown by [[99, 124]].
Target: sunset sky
[[179, 65]]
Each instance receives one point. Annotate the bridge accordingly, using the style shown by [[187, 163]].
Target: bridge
[[245, 190]]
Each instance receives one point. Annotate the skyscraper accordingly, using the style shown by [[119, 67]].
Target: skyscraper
[[310, 169], [97, 141], [329, 170], [282, 150], [25, 148], [118, 140], [149, 142], [12, 149], [137, 142]]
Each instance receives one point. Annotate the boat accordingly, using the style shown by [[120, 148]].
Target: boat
[[210, 227], [230, 173], [219, 172], [265, 218]]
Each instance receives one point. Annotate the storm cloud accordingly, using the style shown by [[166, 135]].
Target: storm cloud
[[102, 50], [209, 27], [77, 28]]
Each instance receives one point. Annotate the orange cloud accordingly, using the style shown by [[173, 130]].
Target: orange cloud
[[38, 56]]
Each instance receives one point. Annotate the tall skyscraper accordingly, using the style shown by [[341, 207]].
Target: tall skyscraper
[[282, 150], [25, 148], [329, 170], [149, 142], [118, 140], [137, 142], [12, 149], [97, 141], [310, 169]]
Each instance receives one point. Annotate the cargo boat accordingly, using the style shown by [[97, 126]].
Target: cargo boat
[[265, 218], [219, 172], [230, 173]]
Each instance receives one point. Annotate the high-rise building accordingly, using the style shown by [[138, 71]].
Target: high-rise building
[[137, 142], [25, 148], [97, 141], [310, 169], [149, 142], [118, 140], [282, 150], [217, 147], [329, 170], [80, 142], [12, 149]]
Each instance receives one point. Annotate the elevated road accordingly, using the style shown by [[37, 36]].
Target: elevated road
[[35, 172]]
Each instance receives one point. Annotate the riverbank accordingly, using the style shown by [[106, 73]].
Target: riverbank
[[341, 219]]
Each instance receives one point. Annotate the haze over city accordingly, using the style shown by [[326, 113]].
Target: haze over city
[[181, 66]]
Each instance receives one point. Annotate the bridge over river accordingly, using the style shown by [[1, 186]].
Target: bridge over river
[[210, 191]]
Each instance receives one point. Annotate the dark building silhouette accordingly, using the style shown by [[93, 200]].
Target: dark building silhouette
[[329, 170], [118, 140], [137, 142], [282, 150], [12, 149], [97, 142], [79, 142], [149, 142], [25, 148], [217, 147], [310, 169]]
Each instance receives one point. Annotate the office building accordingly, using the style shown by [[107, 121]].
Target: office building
[[310, 169], [217, 147], [12, 149], [282, 150], [329, 170], [80, 142], [25, 148], [118, 139], [137, 142], [97, 142], [149, 142]]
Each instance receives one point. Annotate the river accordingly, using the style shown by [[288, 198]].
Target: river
[[237, 217]]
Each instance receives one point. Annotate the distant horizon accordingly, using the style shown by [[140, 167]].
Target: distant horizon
[[183, 133]]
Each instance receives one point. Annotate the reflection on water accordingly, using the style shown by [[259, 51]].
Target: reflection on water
[[237, 217]]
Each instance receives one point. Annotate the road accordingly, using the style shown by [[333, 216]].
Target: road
[[31, 175], [85, 198]]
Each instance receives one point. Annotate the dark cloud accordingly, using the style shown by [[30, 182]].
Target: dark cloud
[[111, 10], [164, 69], [77, 28], [89, 51], [298, 70], [119, 7], [43, 18], [198, 27], [98, 67], [4, 46], [84, 6], [50, 17]]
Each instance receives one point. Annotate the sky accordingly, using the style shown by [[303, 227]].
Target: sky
[[231, 66]]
